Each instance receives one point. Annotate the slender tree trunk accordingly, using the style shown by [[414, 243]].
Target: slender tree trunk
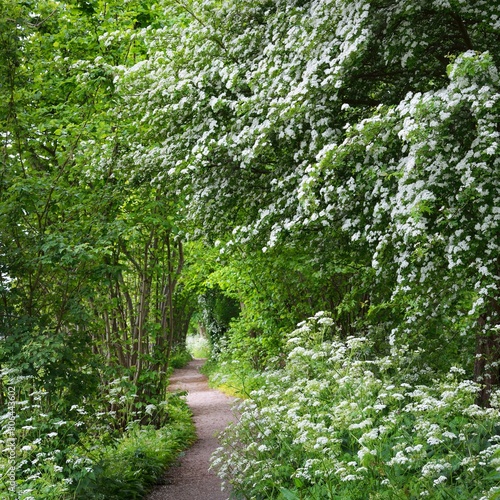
[[170, 302], [167, 304], [143, 311]]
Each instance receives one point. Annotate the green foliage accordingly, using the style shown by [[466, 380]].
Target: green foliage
[[236, 377], [334, 155], [180, 358], [279, 288], [217, 311], [79, 452], [90, 262], [339, 421], [358, 139], [132, 467]]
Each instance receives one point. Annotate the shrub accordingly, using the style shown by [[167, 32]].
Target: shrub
[[83, 453], [339, 422], [128, 470], [180, 358]]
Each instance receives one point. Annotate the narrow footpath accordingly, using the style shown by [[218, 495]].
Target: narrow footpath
[[190, 479]]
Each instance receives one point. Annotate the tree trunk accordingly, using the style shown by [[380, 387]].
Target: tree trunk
[[487, 359]]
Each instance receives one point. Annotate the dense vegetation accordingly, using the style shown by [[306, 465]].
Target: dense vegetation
[[251, 166], [91, 307]]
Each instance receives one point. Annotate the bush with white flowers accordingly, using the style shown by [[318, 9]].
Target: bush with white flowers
[[364, 132], [339, 421]]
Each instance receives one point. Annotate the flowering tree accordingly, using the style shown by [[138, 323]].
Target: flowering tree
[[367, 126]]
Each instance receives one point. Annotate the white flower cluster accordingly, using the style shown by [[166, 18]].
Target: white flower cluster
[[331, 117], [343, 422]]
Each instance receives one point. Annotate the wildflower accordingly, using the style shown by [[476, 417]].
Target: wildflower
[[326, 321], [150, 408], [350, 477], [439, 480], [400, 458], [432, 468], [434, 440]]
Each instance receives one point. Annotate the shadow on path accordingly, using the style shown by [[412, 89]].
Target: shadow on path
[[190, 478]]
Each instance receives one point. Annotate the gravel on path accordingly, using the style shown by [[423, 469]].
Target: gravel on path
[[190, 478]]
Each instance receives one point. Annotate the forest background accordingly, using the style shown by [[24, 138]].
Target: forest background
[[246, 167]]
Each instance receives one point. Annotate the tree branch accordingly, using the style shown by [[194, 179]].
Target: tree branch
[[463, 30]]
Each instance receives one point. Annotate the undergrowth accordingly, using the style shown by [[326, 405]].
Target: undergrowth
[[341, 422], [128, 470], [180, 358], [234, 378], [85, 456]]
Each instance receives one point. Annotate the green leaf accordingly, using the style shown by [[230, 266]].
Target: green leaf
[[289, 495]]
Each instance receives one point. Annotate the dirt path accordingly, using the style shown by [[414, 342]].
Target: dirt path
[[190, 479]]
